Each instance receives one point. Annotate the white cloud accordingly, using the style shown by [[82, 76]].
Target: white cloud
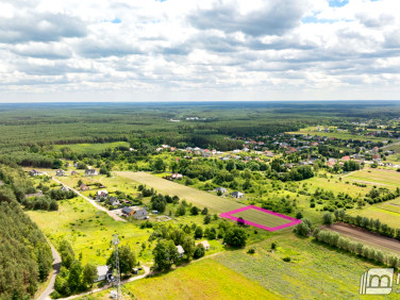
[[209, 49]]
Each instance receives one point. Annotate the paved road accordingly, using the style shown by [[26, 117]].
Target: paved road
[[99, 207], [146, 272], [56, 266]]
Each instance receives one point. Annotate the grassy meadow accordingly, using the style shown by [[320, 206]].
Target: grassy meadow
[[205, 279], [89, 230], [376, 176], [87, 148]]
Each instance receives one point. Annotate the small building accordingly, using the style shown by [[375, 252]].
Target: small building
[[237, 195], [127, 211], [34, 173], [176, 176], [114, 201], [64, 188], [91, 172], [74, 173], [220, 189], [180, 250], [205, 244], [102, 273], [101, 194], [60, 173], [38, 194], [140, 213], [84, 187], [1, 183]]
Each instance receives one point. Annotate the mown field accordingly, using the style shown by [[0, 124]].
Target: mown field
[[88, 230], [202, 199], [205, 279], [91, 148], [376, 176], [261, 218]]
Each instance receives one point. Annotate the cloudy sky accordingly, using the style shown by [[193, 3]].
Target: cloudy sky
[[148, 50]]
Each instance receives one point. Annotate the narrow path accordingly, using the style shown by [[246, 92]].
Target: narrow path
[[99, 207], [56, 266], [106, 287]]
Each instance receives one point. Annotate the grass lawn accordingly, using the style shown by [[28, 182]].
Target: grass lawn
[[91, 148], [199, 198], [261, 218], [378, 176], [205, 279], [315, 271], [89, 230]]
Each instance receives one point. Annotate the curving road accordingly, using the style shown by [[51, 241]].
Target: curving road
[[56, 269]]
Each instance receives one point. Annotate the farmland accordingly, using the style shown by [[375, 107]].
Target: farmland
[[376, 176], [261, 218], [213, 203]]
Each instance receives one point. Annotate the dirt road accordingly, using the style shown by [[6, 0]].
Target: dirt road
[[365, 236], [99, 207]]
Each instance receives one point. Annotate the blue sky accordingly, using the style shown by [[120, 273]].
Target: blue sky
[[179, 50]]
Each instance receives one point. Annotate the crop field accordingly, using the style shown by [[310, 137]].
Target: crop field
[[336, 185], [88, 230], [378, 176], [262, 218], [91, 148], [205, 279], [197, 197], [314, 272]]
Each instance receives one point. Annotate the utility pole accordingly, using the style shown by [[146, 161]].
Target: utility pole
[[115, 241]]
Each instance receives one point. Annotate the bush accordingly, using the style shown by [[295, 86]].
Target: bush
[[251, 251], [199, 251], [286, 259]]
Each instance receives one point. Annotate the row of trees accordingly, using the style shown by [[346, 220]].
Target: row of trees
[[369, 224]]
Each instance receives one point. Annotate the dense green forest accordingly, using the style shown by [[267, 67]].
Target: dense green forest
[[29, 131], [25, 256]]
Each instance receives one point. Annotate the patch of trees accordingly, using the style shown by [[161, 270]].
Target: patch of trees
[[59, 194], [370, 224], [159, 202], [73, 277], [381, 195], [40, 203], [25, 256], [282, 205]]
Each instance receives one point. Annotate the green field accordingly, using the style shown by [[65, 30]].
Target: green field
[[378, 176], [387, 214], [88, 230], [261, 218], [91, 148], [205, 279], [202, 199]]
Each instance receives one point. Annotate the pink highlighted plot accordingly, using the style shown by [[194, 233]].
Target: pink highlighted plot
[[256, 214]]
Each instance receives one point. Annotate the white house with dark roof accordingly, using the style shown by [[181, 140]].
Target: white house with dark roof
[[237, 195], [180, 250]]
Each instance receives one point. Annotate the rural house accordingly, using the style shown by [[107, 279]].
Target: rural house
[[127, 211], [237, 195], [84, 187], [180, 251], [205, 244], [103, 273], [35, 173], [176, 176], [101, 194], [113, 201], [90, 172], [220, 189], [64, 188], [60, 173]]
